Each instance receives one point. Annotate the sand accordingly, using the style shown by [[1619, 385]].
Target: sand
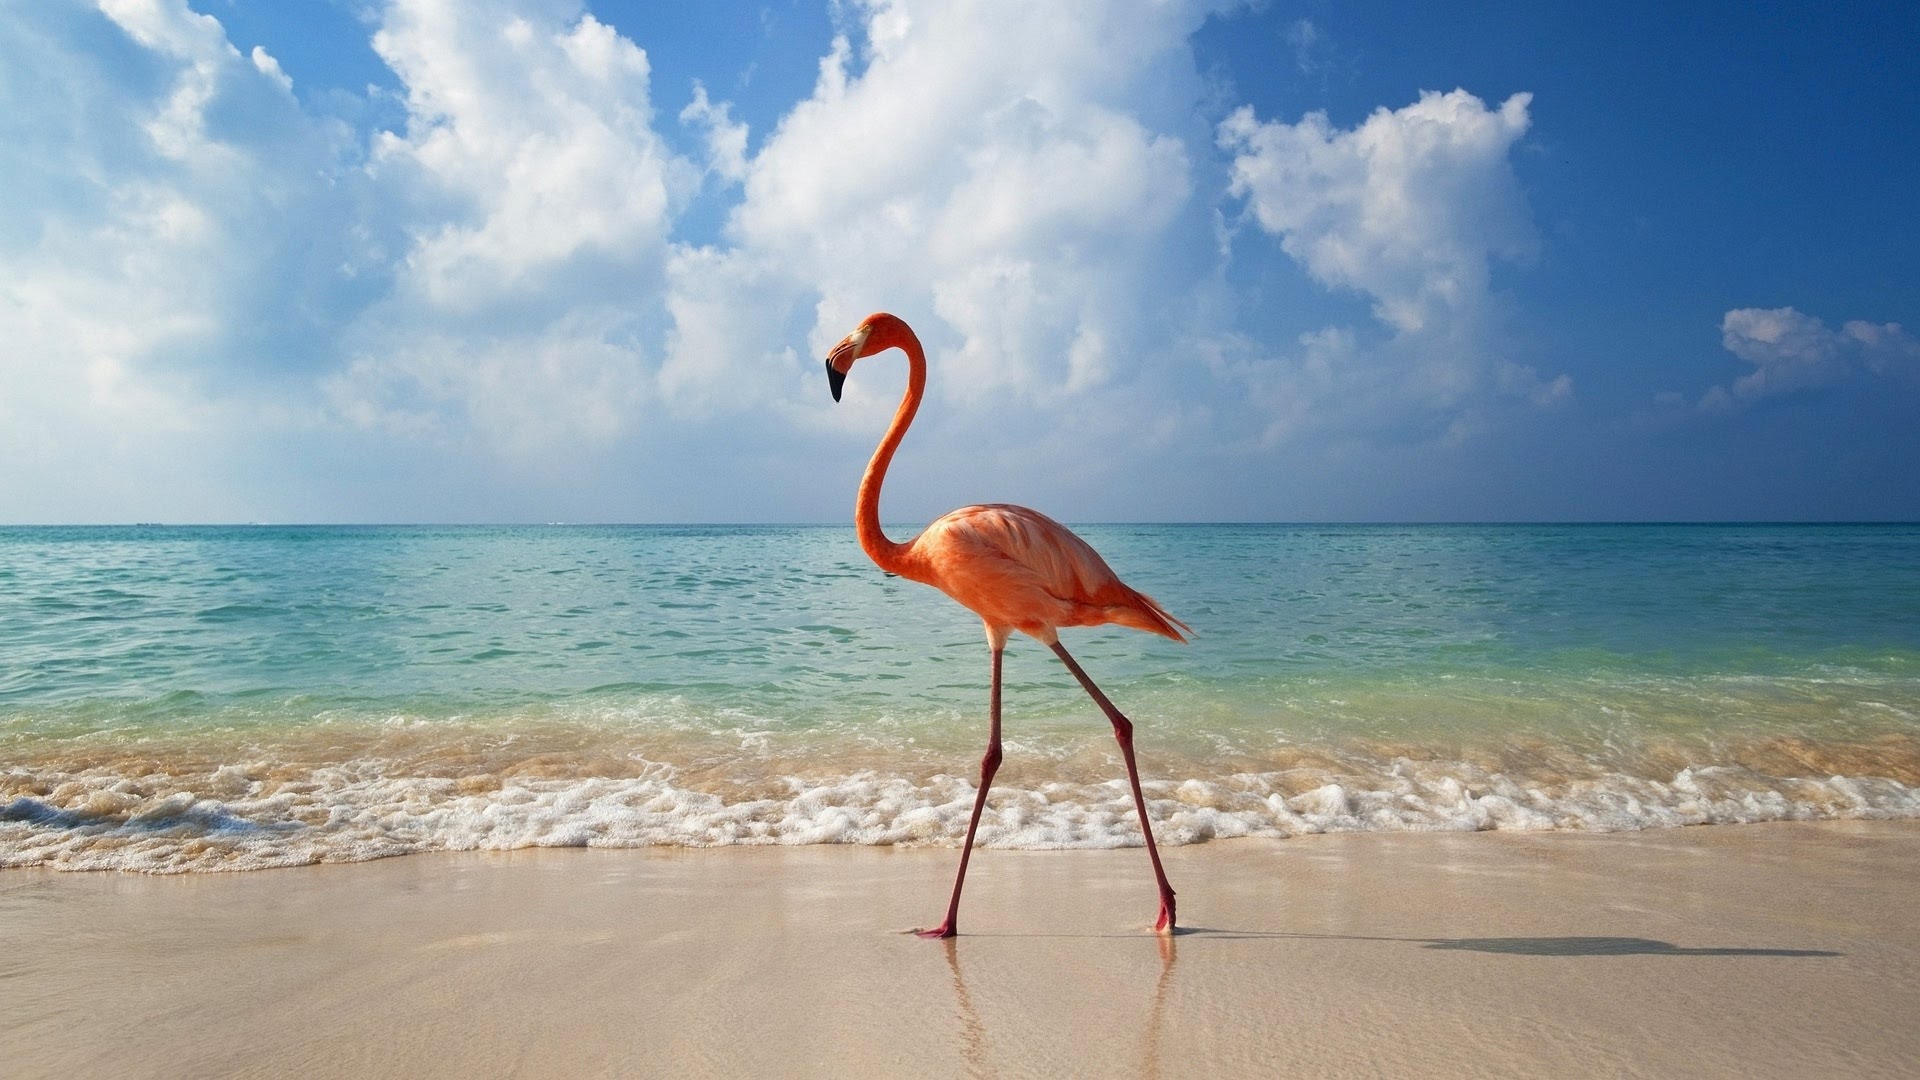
[[1736, 951]]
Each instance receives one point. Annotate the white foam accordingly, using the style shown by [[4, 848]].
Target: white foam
[[344, 813]]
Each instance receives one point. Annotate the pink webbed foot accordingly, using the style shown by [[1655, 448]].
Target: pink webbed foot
[[1165, 925], [944, 930]]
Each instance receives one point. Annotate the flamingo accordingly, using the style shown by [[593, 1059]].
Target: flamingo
[[1016, 568]]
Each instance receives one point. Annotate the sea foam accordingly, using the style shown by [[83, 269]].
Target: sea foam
[[161, 823]]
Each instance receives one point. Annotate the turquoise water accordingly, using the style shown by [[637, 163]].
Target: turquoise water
[[226, 698]]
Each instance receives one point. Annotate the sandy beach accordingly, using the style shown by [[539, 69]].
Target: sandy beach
[[1769, 950]]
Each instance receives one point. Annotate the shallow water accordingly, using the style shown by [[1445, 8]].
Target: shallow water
[[229, 698]]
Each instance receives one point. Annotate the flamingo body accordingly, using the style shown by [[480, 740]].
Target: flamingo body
[[1016, 568], [1019, 569]]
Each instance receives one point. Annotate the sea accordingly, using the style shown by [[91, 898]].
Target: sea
[[177, 699]]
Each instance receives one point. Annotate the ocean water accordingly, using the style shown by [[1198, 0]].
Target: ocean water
[[189, 699]]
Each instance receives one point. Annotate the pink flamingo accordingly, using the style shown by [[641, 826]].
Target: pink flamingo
[[1015, 568]]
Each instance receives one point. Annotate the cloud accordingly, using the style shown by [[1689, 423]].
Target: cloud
[[204, 266], [1412, 208], [181, 181], [531, 140], [168, 27], [199, 262], [535, 203], [1794, 352], [166, 198], [984, 169], [1304, 36], [726, 138], [1009, 175], [1315, 55], [730, 346], [528, 393]]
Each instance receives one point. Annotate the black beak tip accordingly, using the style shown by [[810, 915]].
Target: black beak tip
[[835, 379]]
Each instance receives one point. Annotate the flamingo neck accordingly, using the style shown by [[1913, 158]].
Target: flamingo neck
[[888, 555]]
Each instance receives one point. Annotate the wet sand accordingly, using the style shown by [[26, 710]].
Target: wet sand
[[1735, 951]]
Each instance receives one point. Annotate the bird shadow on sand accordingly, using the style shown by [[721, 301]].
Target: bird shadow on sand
[[1572, 945]]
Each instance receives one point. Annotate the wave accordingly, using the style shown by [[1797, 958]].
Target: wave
[[126, 809]]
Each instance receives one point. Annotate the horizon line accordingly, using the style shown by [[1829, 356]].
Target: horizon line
[[1306, 523]]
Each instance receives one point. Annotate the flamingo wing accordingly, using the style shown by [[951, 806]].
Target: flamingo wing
[[1019, 568]]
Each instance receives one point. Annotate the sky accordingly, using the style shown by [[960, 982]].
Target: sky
[[1172, 260]]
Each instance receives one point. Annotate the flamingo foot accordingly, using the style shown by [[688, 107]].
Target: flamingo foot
[[944, 930], [1165, 924]]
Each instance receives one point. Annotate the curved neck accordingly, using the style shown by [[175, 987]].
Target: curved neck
[[890, 556]]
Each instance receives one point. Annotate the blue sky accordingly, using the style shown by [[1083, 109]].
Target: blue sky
[[531, 260]]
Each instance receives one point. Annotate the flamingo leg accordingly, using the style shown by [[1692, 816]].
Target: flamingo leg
[[989, 764], [1123, 734]]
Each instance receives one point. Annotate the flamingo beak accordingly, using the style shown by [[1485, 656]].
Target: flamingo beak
[[842, 358]]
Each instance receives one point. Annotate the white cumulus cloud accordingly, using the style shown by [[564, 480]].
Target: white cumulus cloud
[[726, 138], [533, 140], [199, 265], [1792, 351], [155, 219], [986, 169], [1411, 208], [536, 199]]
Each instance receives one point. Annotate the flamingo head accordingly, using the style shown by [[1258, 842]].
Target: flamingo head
[[876, 333]]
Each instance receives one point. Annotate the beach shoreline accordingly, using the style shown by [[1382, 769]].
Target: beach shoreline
[[1754, 950]]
